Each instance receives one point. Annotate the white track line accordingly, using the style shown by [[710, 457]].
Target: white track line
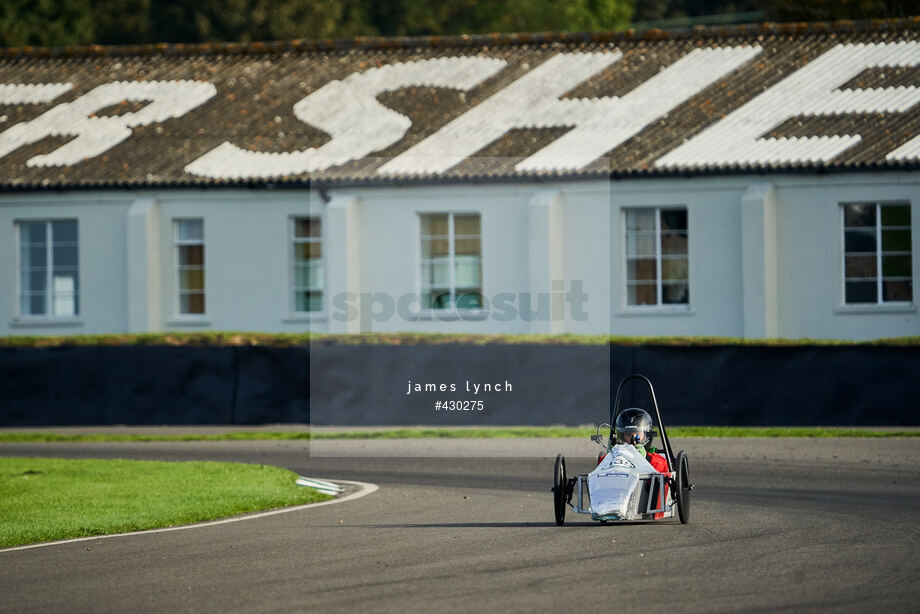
[[366, 488]]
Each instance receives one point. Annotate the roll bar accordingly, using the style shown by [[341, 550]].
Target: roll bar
[[615, 411]]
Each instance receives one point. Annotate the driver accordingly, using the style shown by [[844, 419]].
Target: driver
[[634, 427]]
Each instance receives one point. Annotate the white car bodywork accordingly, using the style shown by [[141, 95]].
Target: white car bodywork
[[624, 486]]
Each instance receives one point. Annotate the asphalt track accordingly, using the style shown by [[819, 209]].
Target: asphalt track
[[799, 525]]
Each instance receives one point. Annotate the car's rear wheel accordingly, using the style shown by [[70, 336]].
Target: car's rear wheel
[[683, 487], [559, 486]]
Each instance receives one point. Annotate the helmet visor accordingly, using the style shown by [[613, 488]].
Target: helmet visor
[[633, 435]]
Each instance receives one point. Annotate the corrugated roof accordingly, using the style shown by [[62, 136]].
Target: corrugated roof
[[740, 99]]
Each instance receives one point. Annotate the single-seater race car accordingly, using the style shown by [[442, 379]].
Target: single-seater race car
[[625, 486]]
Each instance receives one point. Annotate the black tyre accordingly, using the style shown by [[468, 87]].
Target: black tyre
[[559, 486], [683, 487]]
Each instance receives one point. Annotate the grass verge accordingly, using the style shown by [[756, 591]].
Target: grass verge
[[231, 338], [560, 432], [46, 499], [457, 433]]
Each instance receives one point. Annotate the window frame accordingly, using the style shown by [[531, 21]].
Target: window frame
[[880, 303], [177, 245], [293, 242], [48, 315], [453, 311], [659, 306]]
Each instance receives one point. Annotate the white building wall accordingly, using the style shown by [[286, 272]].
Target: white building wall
[[101, 256], [587, 249], [391, 247], [800, 276], [248, 258], [248, 255], [531, 236], [342, 246], [144, 266], [810, 248], [714, 224], [765, 256]]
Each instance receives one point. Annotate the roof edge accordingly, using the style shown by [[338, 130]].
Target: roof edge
[[427, 180], [465, 40]]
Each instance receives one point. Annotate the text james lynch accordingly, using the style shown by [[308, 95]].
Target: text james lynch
[[468, 386]]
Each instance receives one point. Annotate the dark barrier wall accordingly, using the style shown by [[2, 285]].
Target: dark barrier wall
[[783, 386], [153, 385], [696, 385], [532, 384], [548, 384]]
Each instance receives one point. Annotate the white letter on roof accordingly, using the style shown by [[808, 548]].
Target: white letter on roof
[[598, 124], [811, 90], [31, 93], [95, 135], [349, 112]]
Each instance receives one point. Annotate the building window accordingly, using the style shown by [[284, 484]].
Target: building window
[[451, 261], [190, 258], [877, 253], [308, 265], [49, 283], [657, 271]]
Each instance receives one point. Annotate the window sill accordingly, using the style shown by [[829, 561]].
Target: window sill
[[875, 309], [304, 318], [180, 321], [451, 315], [631, 312], [27, 322]]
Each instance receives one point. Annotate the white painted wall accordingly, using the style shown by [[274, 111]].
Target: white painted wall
[[808, 270], [390, 252], [810, 295], [587, 250], [714, 223], [390, 247], [248, 258], [101, 254], [371, 247]]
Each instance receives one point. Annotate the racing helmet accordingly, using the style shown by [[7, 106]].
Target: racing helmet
[[634, 426]]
